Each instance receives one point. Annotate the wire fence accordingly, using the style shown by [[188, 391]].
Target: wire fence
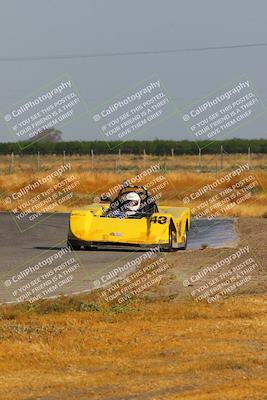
[[13, 163]]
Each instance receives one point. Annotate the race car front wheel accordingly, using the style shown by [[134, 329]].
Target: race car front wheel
[[73, 245]]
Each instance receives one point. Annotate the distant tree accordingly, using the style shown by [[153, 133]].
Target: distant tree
[[49, 142], [48, 135]]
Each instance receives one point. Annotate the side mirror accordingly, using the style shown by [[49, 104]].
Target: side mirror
[[105, 197]]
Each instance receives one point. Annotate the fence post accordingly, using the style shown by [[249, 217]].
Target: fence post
[[92, 159], [11, 163], [64, 157], [221, 156], [38, 161], [144, 157], [172, 152], [117, 162], [199, 158], [249, 157]]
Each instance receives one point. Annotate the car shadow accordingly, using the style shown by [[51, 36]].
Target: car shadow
[[121, 250]]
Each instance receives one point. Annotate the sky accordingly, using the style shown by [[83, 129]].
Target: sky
[[109, 47]]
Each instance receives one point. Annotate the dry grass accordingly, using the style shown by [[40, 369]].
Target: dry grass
[[183, 174], [145, 350]]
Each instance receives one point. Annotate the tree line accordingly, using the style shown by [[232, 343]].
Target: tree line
[[156, 147]]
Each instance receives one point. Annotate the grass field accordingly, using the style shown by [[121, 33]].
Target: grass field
[[100, 173], [80, 349]]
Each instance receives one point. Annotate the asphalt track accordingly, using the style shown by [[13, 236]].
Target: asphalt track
[[30, 245]]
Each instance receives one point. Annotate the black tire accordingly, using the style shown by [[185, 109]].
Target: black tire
[[184, 246], [90, 248], [73, 245], [171, 247]]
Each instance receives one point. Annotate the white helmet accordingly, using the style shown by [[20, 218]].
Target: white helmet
[[131, 203]]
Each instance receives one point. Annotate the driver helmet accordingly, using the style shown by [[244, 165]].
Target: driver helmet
[[131, 203]]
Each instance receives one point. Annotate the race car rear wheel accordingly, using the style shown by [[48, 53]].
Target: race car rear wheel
[[171, 247], [184, 246]]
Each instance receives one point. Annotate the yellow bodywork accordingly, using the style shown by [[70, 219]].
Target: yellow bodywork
[[88, 227]]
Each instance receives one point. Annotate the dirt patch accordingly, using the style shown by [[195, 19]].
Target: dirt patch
[[189, 265]]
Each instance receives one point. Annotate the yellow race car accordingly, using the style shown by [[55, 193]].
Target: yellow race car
[[131, 219]]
